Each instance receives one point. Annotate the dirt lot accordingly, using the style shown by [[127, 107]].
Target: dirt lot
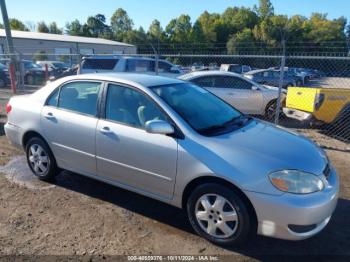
[[76, 215]]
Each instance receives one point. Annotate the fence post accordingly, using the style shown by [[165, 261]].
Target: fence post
[[280, 86], [13, 77], [46, 72]]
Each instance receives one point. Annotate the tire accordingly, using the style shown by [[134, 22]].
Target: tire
[[40, 159], [235, 231], [270, 111]]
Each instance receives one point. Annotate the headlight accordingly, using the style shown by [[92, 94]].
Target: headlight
[[297, 182]]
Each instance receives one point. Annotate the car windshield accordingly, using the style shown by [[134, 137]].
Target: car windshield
[[203, 111]]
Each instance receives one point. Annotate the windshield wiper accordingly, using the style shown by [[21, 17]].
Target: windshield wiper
[[226, 126]]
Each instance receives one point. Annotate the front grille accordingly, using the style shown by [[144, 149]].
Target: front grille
[[327, 171]]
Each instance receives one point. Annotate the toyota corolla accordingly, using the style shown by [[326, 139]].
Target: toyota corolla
[[178, 143]]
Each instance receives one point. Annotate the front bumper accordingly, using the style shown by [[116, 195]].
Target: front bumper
[[313, 211]]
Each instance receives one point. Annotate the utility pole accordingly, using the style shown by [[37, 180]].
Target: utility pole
[[11, 50]]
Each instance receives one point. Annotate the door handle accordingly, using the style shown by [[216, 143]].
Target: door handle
[[49, 116], [106, 130]]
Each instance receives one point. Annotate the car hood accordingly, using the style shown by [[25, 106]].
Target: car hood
[[261, 148]]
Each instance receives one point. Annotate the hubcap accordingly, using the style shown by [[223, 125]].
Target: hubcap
[[38, 159], [216, 216]]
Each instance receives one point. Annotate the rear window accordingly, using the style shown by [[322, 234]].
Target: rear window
[[100, 64]]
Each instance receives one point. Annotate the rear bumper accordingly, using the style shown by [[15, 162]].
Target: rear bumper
[[13, 134], [282, 216], [297, 114]]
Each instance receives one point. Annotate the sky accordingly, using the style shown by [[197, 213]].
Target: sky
[[144, 11]]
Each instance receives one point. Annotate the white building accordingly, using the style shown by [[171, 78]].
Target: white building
[[61, 47]]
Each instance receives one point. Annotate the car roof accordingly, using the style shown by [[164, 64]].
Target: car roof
[[257, 71], [207, 73], [123, 57], [128, 78]]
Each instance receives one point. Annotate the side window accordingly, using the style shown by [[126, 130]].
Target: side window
[[80, 97], [99, 64], [131, 107], [139, 65], [232, 82], [164, 67], [206, 81], [246, 69], [53, 100]]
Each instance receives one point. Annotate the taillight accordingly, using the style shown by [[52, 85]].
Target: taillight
[[8, 108], [319, 101]]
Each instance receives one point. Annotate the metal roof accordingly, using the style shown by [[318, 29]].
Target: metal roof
[[62, 38]]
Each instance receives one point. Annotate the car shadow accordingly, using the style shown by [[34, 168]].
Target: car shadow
[[333, 240]]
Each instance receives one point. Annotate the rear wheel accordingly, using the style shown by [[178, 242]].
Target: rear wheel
[[218, 214], [40, 159]]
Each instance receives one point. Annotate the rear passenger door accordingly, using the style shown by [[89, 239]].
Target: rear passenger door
[[239, 93], [69, 121]]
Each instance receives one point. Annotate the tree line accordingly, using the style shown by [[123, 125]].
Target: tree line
[[236, 30]]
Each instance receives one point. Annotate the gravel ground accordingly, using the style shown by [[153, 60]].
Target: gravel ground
[[75, 215]]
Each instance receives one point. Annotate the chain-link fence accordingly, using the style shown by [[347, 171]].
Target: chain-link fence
[[309, 93]]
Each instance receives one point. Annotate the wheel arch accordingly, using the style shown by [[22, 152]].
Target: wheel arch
[[30, 134], [211, 179]]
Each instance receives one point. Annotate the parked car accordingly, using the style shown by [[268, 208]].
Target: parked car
[[33, 74], [55, 68], [301, 78], [271, 77], [54, 65], [235, 68], [4, 76], [129, 64], [247, 96], [320, 106], [198, 66], [176, 142], [69, 72]]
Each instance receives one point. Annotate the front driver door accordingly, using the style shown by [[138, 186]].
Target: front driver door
[[126, 153]]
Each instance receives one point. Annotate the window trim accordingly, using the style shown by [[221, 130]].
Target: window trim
[[97, 115], [103, 107]]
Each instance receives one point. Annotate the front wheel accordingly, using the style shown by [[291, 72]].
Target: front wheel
[[270, 111], [40, 159], [218, 214]]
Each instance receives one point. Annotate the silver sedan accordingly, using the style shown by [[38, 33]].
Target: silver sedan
[[180, 144], [244, 94]]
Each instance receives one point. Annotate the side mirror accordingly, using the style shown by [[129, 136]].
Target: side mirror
[[159, 127]]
